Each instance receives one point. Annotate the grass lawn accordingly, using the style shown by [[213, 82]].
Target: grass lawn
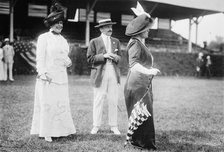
[[188, 114]]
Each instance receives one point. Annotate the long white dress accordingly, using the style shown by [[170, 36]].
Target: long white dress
[[2, 73], [52, 115]]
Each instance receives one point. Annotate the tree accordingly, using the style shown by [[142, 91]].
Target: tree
[[217, 45]]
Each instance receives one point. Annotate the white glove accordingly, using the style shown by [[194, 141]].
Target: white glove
[[153, 71], [46, 77], [108, 56], [139, 68]]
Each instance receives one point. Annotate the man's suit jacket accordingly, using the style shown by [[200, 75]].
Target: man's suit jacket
[[95, 57]]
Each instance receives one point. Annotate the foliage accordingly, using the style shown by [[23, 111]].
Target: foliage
[[79, 60], [217, 45], [169, 63]]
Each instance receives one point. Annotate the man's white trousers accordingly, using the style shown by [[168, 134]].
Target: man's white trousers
[[108, 91]]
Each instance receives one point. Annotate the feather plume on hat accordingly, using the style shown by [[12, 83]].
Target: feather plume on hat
[[139, 10], [57, 14]]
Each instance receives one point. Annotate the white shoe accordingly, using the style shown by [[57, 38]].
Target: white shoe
[[11, 79], [48, 139], [115, 130], [94, 130]]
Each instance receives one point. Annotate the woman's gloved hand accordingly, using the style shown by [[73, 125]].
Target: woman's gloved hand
[[153, 71]]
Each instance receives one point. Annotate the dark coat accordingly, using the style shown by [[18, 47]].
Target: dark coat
[[95, 57]]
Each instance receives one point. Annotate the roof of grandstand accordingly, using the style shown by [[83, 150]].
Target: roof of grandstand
[[172, 9]]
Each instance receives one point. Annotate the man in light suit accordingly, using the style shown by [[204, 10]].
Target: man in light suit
[[104, 55], [9, 53]]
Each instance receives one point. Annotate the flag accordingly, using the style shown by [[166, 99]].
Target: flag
[[27, 51]]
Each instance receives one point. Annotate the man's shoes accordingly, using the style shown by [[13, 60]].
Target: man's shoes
[[48, 139], [11, 80], [115, 130], [94, 130]]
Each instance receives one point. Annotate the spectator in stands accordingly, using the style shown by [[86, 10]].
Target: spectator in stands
[[9, 53], [199, 64], [180, 39], [52, 115], [2, 72], [104, 55], [138, 84], [208, 66], [205, 44]]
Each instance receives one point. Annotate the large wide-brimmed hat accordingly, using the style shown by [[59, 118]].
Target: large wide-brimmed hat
[[56, 15], [105, 22], [139, 24]]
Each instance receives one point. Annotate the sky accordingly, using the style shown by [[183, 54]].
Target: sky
[[209, 27]]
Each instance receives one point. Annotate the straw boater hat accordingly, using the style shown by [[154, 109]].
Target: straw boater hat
[[105, 22], [139, 25], [6, 40], [56, 15]]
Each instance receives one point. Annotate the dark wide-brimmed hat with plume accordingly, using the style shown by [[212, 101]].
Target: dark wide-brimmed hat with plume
[[141, 23], [57, 14]]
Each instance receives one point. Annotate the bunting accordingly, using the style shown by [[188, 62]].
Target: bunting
[[27, 51]]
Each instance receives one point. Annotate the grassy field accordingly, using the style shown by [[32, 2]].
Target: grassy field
[[188, 114]]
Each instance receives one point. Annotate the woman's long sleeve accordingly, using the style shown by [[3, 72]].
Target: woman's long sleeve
[[139, 68], [68, 61], [41, 55], [134, 55]]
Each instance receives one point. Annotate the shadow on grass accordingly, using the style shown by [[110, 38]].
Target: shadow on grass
[[89, 137], [169, 141], [189, 141]]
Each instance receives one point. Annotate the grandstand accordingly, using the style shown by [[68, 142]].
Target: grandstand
[[28, 24], [29, 14]]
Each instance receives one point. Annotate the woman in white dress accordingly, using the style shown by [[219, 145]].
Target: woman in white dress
[[52, 115], [2, 77]]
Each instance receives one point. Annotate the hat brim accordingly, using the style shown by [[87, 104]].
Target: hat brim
[[140, 31], [138, 25], [104, 24], [53, 18]]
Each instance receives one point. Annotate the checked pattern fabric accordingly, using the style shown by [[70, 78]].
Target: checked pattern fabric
[[138, 115]]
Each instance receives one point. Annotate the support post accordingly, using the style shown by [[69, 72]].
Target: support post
[[88, 11], [87, 36], [189, 37], [196, 34], [11, 9]]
